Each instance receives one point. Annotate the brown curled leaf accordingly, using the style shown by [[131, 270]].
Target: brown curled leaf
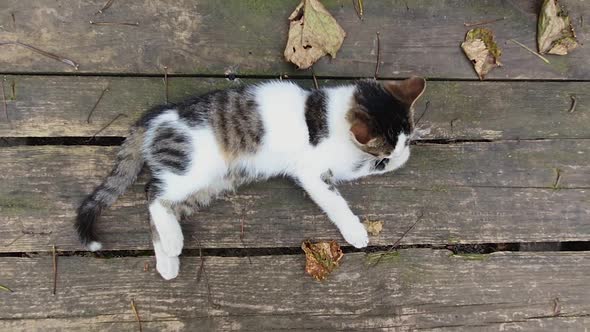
[[555, 33], [481, 48], [321, 258], [313, 33], [373, 227]]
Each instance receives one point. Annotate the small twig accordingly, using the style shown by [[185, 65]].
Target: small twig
[[23, 233], [378, 56], [556, 307], [242, 236], [4, 102], [96, 104], [107, 125], [105, 7], [13, 89], [13, 20], [452, 124], [315, 80], [395, 244], [528, 49], [203, 272], [15, 239], [115, 23], [574, 104], [134, 309], [166, 81], [472, 24], [44, 53], [6, 289], [557, 178], [54, 270], [202, 266], [423, 112]]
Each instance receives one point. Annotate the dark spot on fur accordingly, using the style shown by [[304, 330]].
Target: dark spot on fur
[[316, 116]]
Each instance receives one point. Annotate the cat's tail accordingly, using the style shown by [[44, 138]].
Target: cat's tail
[[128, 165]]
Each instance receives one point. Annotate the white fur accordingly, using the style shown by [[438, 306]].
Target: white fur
[[94, 246], [284, 150], [167, 266], [168, 228]]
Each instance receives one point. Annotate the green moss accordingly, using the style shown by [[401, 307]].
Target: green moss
[[487, 36], [472, 257], [382, 257], [453, 240], [439, 188], [14, 204]]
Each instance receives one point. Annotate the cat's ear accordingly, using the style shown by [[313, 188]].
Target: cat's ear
[[360, 128], [408, 91]]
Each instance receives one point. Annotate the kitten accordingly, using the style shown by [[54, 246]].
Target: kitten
[[213, 143]]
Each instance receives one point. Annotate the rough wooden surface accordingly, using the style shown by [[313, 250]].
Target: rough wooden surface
[[59, 106], [409, 290], [248, 37], [464, 198]]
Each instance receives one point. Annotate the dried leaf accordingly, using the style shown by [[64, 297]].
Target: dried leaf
[[555, 34], [481, 48], [373, 227], [313, 33], [321, 258]]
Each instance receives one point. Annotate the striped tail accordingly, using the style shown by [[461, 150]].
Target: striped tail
[[128, 165]]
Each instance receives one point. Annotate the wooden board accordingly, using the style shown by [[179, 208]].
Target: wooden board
[[248, 37], [468, 192], [59, 106], [408, 290]]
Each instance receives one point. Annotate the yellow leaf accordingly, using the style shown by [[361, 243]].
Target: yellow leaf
[[313, 33], [373, 227]]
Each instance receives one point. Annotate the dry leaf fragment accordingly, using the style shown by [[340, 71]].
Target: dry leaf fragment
[[481, 48], [373, 227], [555, 34], [313, 33], [321, 258]]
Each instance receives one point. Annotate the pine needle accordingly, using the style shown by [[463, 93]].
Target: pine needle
[[528, 49]]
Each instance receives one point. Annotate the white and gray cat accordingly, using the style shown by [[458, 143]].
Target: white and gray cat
[[197, 149]]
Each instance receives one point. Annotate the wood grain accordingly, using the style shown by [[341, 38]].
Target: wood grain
[[248, 37], [468, 192], [410, 290], [58, 106]]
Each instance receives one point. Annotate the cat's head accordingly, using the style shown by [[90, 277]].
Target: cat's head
[[382, 116]]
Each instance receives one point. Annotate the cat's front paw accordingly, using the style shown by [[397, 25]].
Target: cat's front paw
[[355, 234]]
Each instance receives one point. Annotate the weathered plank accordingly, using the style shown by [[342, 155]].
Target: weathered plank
[[468, 192], [407, 290], [59, 106], [248, 37]]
